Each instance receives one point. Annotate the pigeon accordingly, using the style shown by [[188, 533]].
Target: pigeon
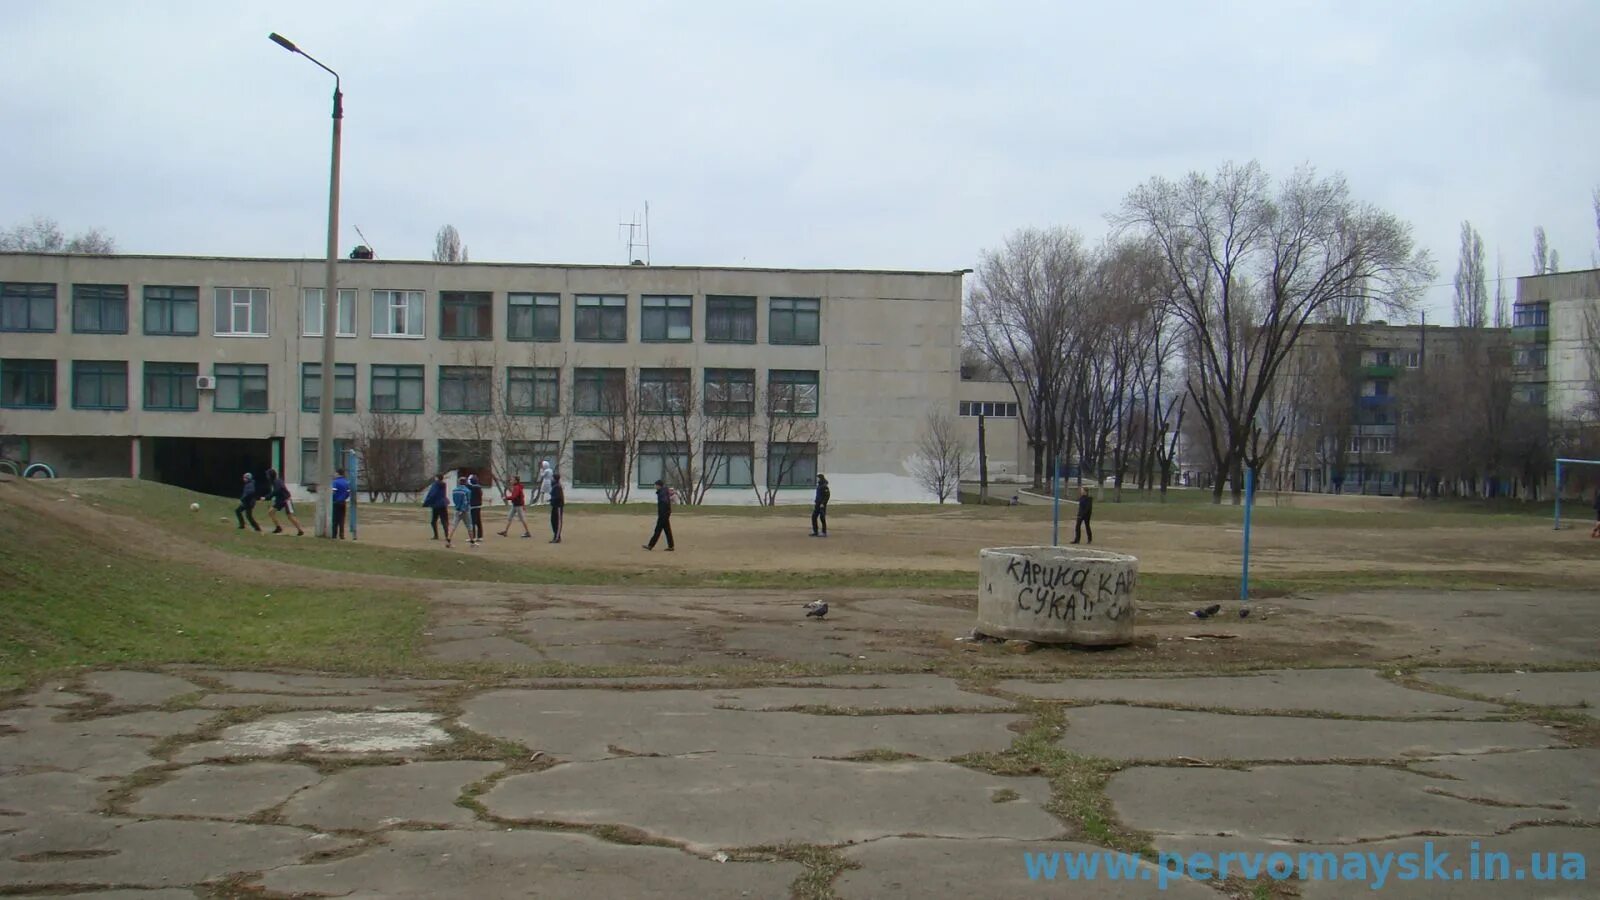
[[1244, 613], [816, 609], [1208, 612]]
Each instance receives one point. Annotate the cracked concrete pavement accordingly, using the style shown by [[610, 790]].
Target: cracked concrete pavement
[[201, 782]]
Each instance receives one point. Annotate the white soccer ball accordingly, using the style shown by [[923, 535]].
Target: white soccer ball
[[194, 507]]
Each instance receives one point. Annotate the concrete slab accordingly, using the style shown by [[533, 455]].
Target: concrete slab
[[53, 694], [898, 868], [224, 792], [372, 701], [517, 864], [289, 683], [615, 655], [143, 724], [1127, 732], [943, 696], [322, 732], [1360, 879], [60, 748], [128, 895], [739, 801], [48, 794], [587, 724], [1543, 688], [1569, 779], [1333, 804], [137, 688], [367, 798], [168, 853], [1350, 692], [485, 649]]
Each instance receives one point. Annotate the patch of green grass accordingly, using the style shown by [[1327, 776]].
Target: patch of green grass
[[822, 865], [69, 601], [1077, 782]]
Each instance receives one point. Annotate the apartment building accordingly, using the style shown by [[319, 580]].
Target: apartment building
[[1555, 332], [191, 370]]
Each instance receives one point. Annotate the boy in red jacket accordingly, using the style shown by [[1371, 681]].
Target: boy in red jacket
[[517, 499]]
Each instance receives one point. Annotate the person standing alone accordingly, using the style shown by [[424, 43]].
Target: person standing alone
[[281, 503], [1085, 510], [247, 503], [558, 507], [438, 506], [341, 502], [663, 516], [516, 498], [819, 507], [541, 486]]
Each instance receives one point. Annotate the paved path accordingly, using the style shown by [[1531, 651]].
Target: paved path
[[196, 782]]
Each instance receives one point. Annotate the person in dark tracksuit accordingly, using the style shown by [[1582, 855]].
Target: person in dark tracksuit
[[438, 505], [558, 506], [663, 516], [1085, 510], [341, 502], [247, 503], [476, 490], [819, 507], [1595, 531]]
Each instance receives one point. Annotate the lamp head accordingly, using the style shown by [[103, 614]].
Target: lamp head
[[283, 42]]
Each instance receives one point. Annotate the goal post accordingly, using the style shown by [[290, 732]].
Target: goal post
[[1560, 462]]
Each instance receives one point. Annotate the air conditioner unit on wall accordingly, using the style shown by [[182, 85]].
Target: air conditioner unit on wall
[[205, 382]]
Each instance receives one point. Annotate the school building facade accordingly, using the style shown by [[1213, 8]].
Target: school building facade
[[191, 370]]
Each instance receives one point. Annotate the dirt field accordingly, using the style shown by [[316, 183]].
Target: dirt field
[[950, 540]]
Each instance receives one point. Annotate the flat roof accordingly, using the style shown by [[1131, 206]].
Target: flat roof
[[485, 263]]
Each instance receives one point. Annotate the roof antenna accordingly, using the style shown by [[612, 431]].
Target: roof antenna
[[638, 237]]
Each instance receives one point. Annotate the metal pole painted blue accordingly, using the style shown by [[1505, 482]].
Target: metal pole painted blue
[[1055, 493], [1249, 503]]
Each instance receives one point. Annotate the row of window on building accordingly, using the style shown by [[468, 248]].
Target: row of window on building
[[534, 391], [721, 464], [989, 409], [463, 315]]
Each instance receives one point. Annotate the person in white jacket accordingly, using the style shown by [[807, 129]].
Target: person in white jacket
[[542, 483]]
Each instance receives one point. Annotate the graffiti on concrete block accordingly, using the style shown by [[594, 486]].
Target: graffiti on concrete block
[[1072, 593]]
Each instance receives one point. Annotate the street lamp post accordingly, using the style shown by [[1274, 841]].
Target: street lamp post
[[330, 307]]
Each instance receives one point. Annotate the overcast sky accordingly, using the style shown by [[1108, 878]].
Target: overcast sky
[[832, 134]]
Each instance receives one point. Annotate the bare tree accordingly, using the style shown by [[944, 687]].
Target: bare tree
[[620, 423], [1502, 309], [391, 456], [447, 246], [1472, 295], [506, 409], [942, 458], [1541, 251], [791, 419], [1026, 314], [44, 235], [1252, 266], [707, 425]]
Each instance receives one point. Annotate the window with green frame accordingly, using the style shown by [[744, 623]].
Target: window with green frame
[[397, 389], [794, 320], [241, 387], [792, 392], [730, 319], [597, 463], [465, 389], [99, 384], [100, 308], [308, 457], [663, 392], [533, 391], [28, 383], [27, 307], [663, 460], [600, 317], [169, 386], [791, 465], [172, 310], [533, 317], [599, 392], [730, 392], [344, 387], [729, 463], [665, 317]]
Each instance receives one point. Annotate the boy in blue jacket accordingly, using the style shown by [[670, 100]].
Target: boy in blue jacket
[[438, 506], [461, 502]]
